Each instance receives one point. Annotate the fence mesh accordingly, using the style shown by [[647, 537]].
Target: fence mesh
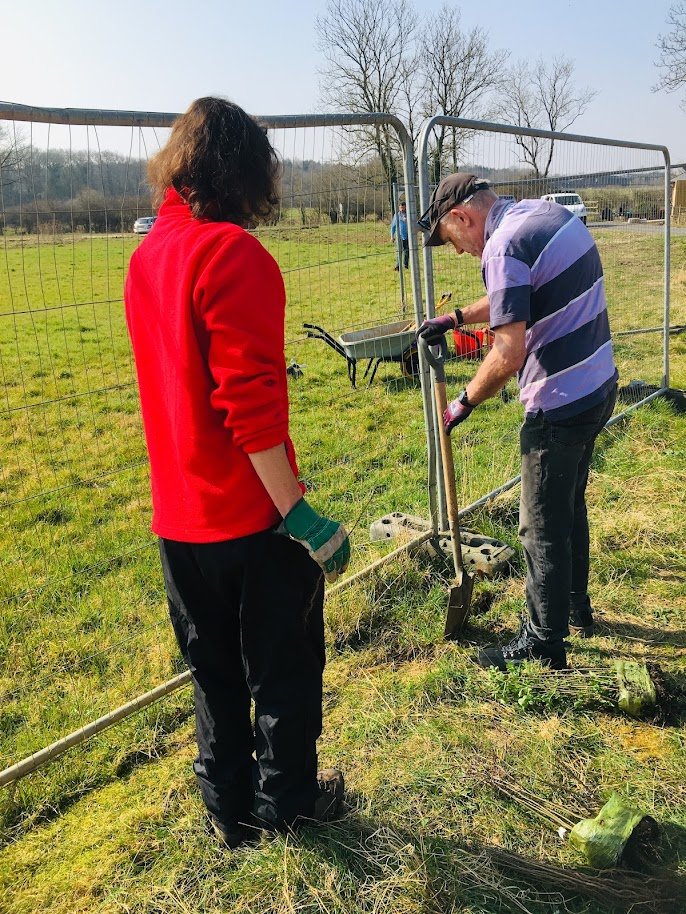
[[82, 606], [83, 621], [83, 624], [620, 193]]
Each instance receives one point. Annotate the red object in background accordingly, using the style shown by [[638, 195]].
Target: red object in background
[[472, 344]]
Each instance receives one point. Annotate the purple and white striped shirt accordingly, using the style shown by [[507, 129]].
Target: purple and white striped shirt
[[541, 265]]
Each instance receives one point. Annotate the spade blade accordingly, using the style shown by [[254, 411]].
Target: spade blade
[[459, 602]]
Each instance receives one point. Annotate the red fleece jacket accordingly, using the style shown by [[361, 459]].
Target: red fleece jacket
[[205, 309]]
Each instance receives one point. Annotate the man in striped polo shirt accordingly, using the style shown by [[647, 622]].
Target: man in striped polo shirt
[[546, 304]]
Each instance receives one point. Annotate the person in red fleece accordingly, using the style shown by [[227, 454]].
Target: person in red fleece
[[243, 554]]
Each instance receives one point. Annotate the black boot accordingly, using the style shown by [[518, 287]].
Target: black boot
[[233, 834], [327, 805], [331, 786], [522, 648], [581, 621]]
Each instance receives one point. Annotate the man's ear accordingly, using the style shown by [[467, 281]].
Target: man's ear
[[462, 214]]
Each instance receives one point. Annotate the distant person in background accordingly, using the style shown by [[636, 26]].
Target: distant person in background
[[244, 556], [546, 305], [399, 226]]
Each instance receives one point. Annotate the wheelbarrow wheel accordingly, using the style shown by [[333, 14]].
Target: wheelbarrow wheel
[[409, 362]]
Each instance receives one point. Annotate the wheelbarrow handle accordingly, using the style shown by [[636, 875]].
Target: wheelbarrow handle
[[324, 335], [437, 361]]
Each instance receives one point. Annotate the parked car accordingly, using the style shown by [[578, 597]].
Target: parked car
[[570, 201], [143, 225]]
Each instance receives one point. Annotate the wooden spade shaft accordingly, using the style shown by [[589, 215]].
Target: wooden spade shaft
[[449, 479], [460, 593]]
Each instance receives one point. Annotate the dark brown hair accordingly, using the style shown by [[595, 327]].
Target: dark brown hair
[[220, 161]]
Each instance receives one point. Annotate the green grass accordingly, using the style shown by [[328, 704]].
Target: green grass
[[118, 825]]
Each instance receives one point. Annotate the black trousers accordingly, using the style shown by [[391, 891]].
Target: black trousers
[[553, 522], [248, 618]]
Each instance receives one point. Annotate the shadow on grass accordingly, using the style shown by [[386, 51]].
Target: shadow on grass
[[477, 634], [601, 654], [445, 872], [675, 684], [394, 385], [633, 631], [673, 845], [406, 868]]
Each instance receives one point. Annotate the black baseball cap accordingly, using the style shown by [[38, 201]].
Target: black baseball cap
[[452, 191]]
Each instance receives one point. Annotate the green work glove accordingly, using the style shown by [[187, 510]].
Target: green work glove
[[325, 540]]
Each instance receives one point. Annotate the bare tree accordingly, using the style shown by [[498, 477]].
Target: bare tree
[[12, 155], [543, 96], [458, 74], [409, 107], [365, 44], [672, 47]]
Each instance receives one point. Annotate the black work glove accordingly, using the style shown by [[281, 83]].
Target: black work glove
[[435, 328]]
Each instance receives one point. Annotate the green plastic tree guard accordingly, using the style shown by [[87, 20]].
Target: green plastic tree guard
[[603, 840], [637, 696]]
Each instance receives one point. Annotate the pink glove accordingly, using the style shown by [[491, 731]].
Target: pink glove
[[455, 413]]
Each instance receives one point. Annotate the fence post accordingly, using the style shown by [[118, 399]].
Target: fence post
[[440, 517], [433, 474], [668, 255]]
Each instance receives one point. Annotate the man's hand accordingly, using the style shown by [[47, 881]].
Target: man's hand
[[432, 330], [326, 540], [455, 413], [505, 358]]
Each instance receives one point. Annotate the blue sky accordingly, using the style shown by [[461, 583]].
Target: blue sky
[[155, 55]]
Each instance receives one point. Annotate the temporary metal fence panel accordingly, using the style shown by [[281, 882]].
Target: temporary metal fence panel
[[622, 191], [83, 626], [83, 623]]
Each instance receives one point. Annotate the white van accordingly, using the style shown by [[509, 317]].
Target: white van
[[570, 201]]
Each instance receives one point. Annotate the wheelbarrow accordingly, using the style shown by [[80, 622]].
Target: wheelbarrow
[[386, 343]]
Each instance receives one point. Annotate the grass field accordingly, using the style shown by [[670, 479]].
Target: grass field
[[419, 730]]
